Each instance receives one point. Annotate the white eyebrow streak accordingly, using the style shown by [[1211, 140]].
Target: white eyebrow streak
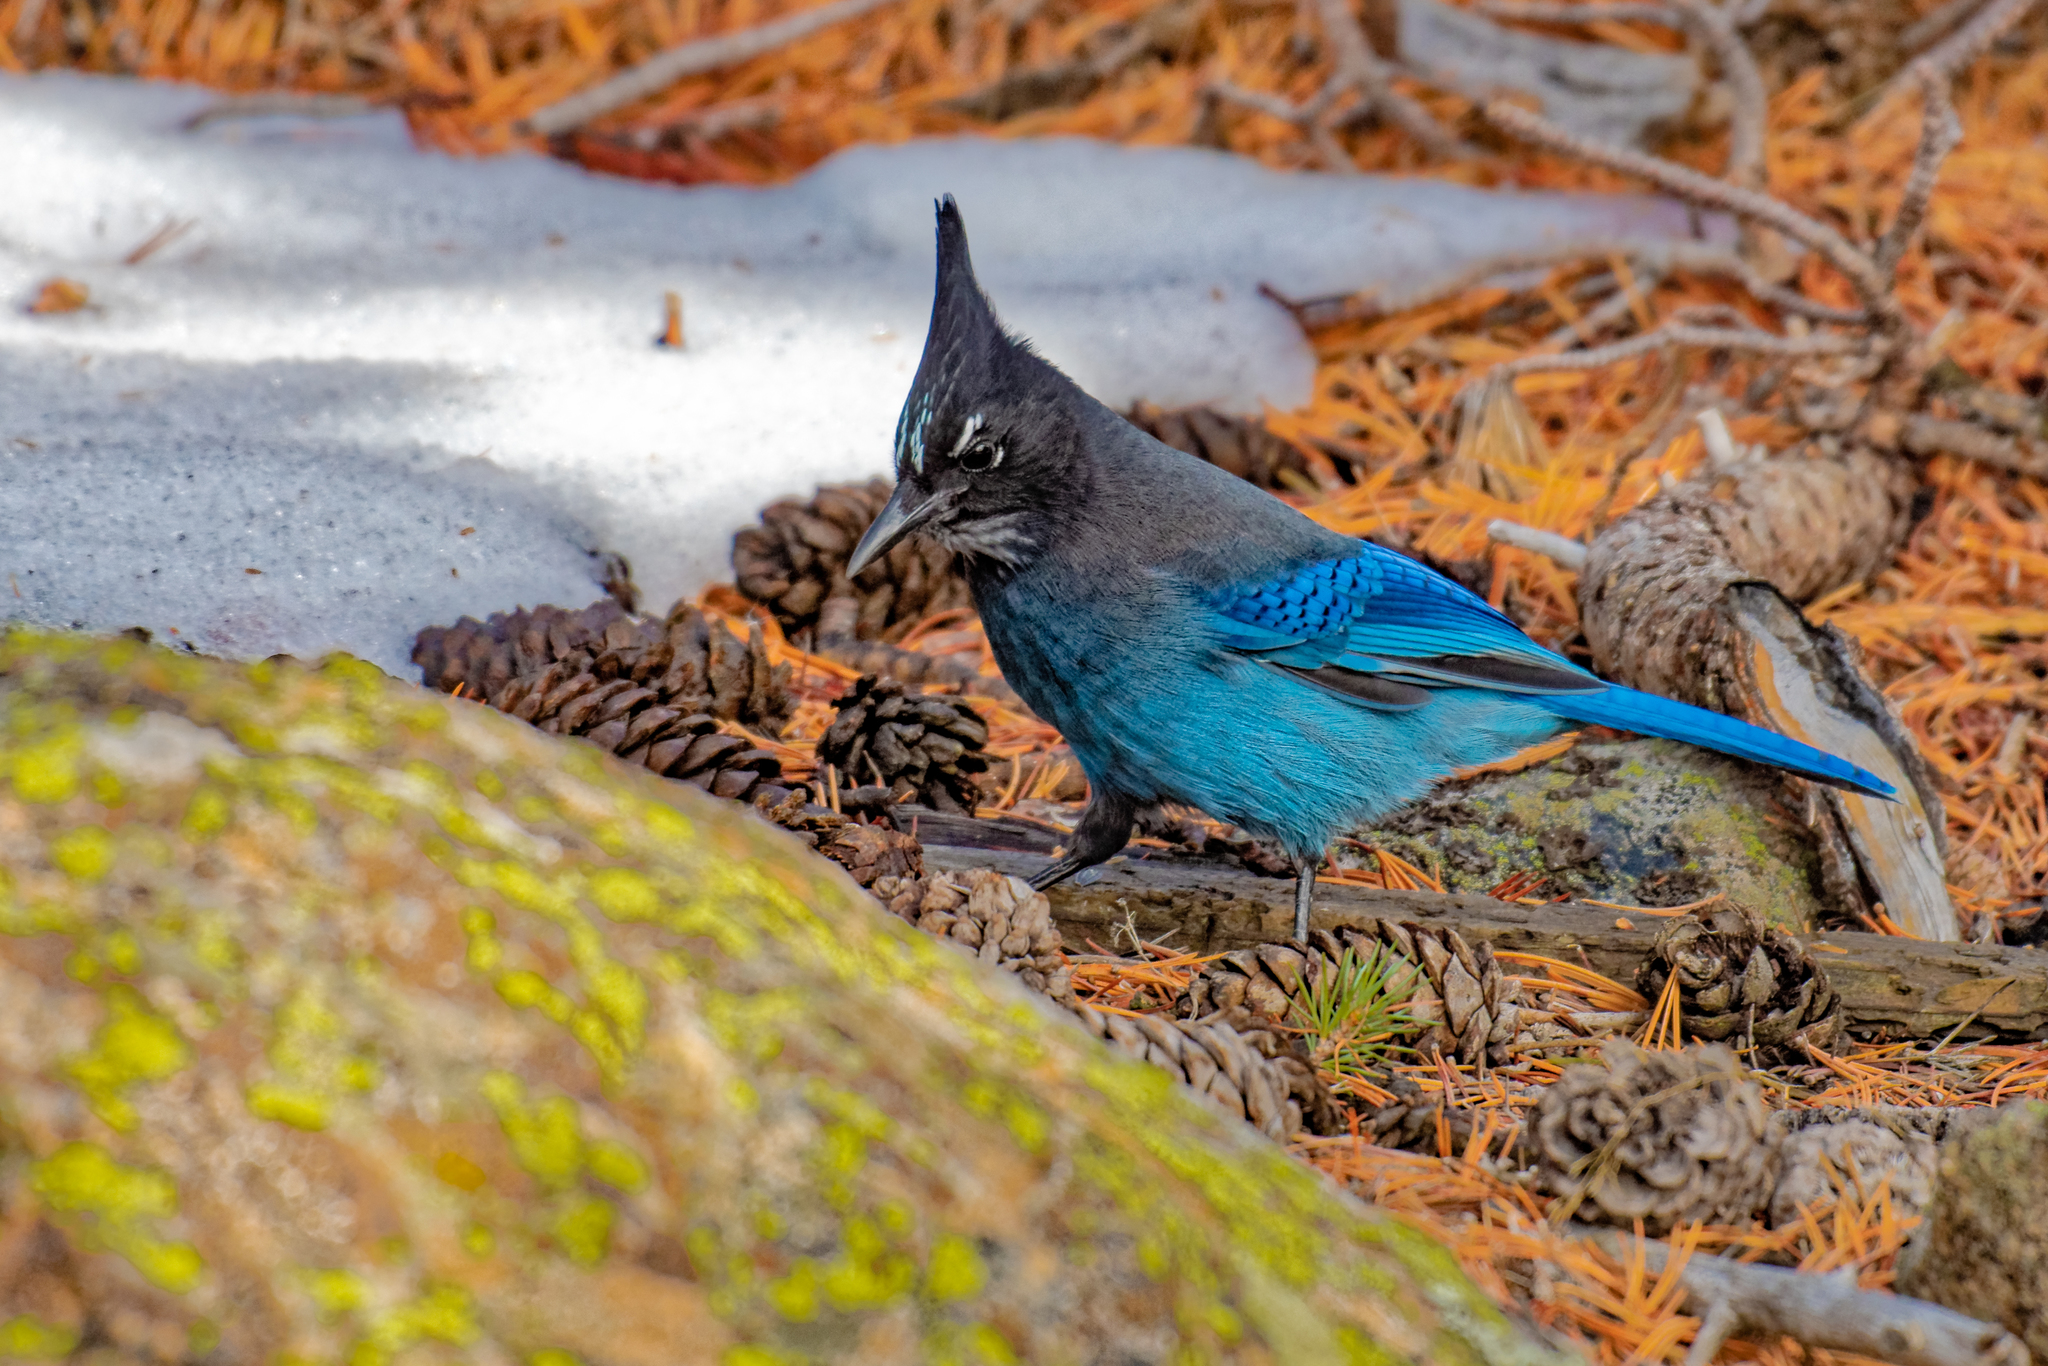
[[967, 431]]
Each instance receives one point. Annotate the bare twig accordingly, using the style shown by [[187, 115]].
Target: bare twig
[[1924, 435], [1933, 27], [1359, 67], [1871, 287], [1681, 334], [1713, 26], [1766, 1302], [1356, 69], [170, 231], [1958, 50], [1561, 550], [1651, 259], [278, 104], [706, 54], [1940, 131]]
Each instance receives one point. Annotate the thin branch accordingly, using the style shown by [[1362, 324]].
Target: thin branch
[[1359, 67], [1923, 435], [1871, 287], [1560, 550], [1716, 30], [1619, 304], [275, 104], [1930, 28], [1948, 57], [706, 54], [1649, 258], [1680, 334], [1749, 103], [1940, 131], [1767, 1302]]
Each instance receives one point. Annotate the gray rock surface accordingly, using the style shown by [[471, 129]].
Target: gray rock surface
[[1643, 822]]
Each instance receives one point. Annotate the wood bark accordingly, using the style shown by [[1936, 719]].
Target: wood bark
[[1694, 595], [1899, 987]]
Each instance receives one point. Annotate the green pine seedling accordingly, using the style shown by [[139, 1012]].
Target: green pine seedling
[[1353, 1013]]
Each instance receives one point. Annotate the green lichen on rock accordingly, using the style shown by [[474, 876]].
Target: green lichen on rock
[[1982, 1250], [1643, 822], [342, 1022]]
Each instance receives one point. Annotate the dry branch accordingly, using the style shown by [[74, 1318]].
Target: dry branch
[[1871, 287], [1947, 58], [1715, 29], [1826, 1311], [1924, 435], [1940, 131], [1904, 987], [1754, 340], [706, 54], [1356, 69]]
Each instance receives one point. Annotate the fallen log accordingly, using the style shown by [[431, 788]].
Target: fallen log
[[1888, 985]]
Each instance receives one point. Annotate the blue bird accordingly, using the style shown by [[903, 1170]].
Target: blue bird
[[1198, 641]]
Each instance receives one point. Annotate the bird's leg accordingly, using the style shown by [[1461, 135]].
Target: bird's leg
[[1105, 829], [1304, 895]]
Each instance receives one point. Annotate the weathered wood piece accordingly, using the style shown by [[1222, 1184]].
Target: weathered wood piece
[[1906, 987]]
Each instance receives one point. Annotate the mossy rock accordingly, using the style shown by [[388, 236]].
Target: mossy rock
[[1643, 822], [343, 1022]]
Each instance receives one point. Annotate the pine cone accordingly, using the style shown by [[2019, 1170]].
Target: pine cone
[[691, 665], [796, 559], [1469, 1008], [651, 692], [908, 743], [867, 852], [1409, 1122], [1239, 445], [1258, 1075], [1818, 1162], [1667, 1138], [1738, 977], [1000, 918]]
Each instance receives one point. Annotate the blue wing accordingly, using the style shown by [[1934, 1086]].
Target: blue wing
[[1385, 617], [1386, 631]]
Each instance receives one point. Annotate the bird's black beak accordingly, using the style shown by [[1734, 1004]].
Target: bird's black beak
[[900, 516]]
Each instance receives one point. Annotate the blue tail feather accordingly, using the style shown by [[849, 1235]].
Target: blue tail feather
[[1647, 714]]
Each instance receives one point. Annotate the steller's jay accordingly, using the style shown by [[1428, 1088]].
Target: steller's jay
[[1197, 640]]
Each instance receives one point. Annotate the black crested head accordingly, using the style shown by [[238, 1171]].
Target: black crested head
[[987, 447]]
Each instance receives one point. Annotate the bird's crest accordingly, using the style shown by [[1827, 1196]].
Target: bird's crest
[[964, 336]]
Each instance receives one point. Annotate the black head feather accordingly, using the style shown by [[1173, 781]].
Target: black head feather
[[988, 439]]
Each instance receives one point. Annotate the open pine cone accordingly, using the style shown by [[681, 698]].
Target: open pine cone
[[1259, 1076], [1818, 1163], [1469, 1009], [654, 693], [1240, 445], [796, 559], [907, 742], [1410, 1121], [541, 658], [867, 852], [1740, 978], [1667, 1138], [1000, 918]]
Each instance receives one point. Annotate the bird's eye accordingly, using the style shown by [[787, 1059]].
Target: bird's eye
[[980, 457]]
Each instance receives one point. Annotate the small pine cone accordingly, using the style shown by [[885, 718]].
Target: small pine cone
[[576, 673], [908, 743], [1817, 1163], [1251, 1076], [1239, 445], [1738, 977], [1664, 1137], [481, 657], [653, 693], [1000, 919], [796, 559], [869, 853], [1409, 1121]]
